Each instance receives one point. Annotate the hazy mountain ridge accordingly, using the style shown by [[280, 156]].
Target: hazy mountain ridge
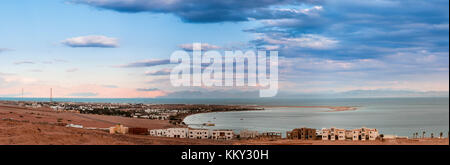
[[347, 94]]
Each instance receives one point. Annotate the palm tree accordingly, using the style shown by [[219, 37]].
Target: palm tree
[[423, 134], [432, 135], [440, 135]]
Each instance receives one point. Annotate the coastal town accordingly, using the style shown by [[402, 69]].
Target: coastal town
[[164, 122], [172, 112]]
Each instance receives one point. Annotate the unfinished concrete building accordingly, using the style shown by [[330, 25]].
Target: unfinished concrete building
[[302, 134], [248, 134]]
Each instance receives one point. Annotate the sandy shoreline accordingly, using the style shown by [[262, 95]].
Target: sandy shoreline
[[331, 109]]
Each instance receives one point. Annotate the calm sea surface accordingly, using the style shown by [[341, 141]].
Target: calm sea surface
[[399, 116]]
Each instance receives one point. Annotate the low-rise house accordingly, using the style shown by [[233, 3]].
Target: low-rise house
[[318, 133], [333, 134], [199, 134], [36, 105], [336, 134], [159, 117], [177, 132], [365, 134], [270, 135], [356, 134], [325, 134], [340, 134], [373, 133], [348, 134], [158, 132], [223, 134], [57, 108]]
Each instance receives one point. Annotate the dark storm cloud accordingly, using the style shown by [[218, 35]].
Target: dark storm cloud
[[199, 11]]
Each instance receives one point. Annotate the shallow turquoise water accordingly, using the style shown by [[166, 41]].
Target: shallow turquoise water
[[399, 116]]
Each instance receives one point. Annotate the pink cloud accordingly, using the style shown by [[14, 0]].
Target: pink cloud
[[76, 91]]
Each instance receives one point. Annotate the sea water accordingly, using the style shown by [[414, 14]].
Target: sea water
[[399, 116], [393, 116]]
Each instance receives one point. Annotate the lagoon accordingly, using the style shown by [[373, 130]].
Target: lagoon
[[393, 116]]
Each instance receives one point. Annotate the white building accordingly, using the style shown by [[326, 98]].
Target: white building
[[199, 134], [223, 134], [177, 132], [57, 108], [158, 132], [74, 126], [36, 105], [355, 134], [365, 134], [333, 134], [368, 134], [373, 134], [340, 134], [318, 133], [325, 133]]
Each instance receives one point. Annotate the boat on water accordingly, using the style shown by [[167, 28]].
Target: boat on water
[[209, 124]]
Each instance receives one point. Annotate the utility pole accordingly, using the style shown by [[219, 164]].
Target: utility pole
[[51, 94]]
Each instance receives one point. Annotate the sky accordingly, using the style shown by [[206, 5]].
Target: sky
[[121, 48]]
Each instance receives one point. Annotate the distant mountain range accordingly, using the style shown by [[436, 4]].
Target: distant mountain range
[[391, 93], [347, 94]]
